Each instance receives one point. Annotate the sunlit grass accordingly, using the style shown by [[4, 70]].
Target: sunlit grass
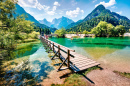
[[77, 79], [124, 74]]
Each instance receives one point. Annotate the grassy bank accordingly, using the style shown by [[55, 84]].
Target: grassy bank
[[124, 74], [77, 79], [13, 62]]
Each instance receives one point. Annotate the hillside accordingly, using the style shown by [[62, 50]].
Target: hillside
[[19, 11], [100, 13]]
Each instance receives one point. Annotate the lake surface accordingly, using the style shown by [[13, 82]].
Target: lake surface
[[111, 52], [114, 52]]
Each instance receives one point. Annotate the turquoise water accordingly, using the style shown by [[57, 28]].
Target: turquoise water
[[113, 52]]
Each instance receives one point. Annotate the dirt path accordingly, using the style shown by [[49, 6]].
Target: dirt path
[[56, 77], [107, 77]]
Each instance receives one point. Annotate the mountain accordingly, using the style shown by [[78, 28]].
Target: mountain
[[57, 23], [61, 22], [73, 24], [44, 26], [19, 11], [44, 21], [100, 13]]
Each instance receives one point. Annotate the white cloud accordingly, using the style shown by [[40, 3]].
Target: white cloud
[[30, 12], [28, 3], [36, 4], [109, 4], [52, 12], [114, 7], [74, 13], [56, 3], [94, 1], [119, 12]]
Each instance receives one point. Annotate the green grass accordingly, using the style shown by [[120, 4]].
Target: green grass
[[76, 79], [124, 74], [24, 45]]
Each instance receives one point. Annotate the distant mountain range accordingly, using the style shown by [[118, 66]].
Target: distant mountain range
[[57, 23], [100, 13], [19, 11]]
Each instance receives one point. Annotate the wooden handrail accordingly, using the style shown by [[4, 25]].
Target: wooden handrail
[[56, 45]]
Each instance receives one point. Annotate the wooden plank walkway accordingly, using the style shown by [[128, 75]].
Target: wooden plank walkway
[[69, 57]]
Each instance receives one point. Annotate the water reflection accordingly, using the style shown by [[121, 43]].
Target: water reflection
[[40, 64]]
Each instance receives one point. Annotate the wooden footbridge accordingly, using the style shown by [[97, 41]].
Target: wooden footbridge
[[69, 57]]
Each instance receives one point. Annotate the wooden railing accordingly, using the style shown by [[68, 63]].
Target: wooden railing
[[52, 45]]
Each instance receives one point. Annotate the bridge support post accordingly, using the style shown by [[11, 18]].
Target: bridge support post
[[59, 50], [53, 47], [68, 58]]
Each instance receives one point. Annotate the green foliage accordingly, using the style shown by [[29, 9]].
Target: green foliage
[[13, 30], [124, 74], [85, 32], [60, 32], [7, 8], [42, 26], [97, 15], [120, 29], [104, 29]]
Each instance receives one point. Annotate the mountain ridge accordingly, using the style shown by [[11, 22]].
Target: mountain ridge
[[100, 13], [19, 11], [57, 22]]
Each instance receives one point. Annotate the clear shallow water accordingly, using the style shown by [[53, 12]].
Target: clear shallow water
[[39, 61], [113, 52]]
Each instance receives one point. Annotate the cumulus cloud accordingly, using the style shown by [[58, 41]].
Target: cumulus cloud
[[28, 3], [56, 3], [74, 13], [109, 4], [119, 12], [36, 4]]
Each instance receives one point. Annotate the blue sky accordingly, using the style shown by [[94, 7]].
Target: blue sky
[[73, 9]]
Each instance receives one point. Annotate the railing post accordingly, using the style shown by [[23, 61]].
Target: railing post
[[68, 58], [53, 47], [59, 50], [50, 45]]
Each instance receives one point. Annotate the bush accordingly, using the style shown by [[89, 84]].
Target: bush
[[104, 29], [34, 35]]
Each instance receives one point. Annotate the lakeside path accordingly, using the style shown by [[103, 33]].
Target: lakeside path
[[105, 77]]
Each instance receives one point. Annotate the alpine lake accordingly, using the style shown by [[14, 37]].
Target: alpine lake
[[112, 52]]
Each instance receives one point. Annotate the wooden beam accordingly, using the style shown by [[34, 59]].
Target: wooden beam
[[68, 58], [53, 47], [54, 55], [59, 50], [62, 63]]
